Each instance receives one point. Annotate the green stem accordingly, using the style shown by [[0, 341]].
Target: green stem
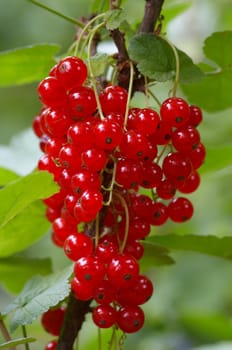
[[24, 331], [129, 93], [154, 97], [177, 76], [91, 70], [5, 332], [127, 218], [85, 28], [57, 13]]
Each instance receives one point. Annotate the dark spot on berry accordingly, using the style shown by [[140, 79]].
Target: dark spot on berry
[[108, 140], [136, 323], [88, 277], [139, 154], [194, 146], [127, 277], [102, 322], [179, 119], [180, 178], [100, 296], [184, 218], [156, 214], [167, 137], [79, 108]]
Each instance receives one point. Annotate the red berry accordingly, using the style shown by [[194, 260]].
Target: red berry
[[195, 117], [91, 201], [134, 248], [176, 167], [78, 245], [151, 175], [106, 250], [104, 316], [104, 293], [191, 183], [82, 102], [122, 270], [113, 99], [162, 136], [85, 180], [62, 228], [180, 209], [175, 111], [57, 122], [80, 135], [71, 72], [51, 92], [139, 293], [51, 345], [94, 159], [107, 134], [89, 269], [81, 289], [128, 173], [165, 189], [134, 145], [130, 319], [185, 139], [159, 214], [197, 156], [52, 320]]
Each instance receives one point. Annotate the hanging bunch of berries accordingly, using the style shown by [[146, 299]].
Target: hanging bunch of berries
[[120, 170]]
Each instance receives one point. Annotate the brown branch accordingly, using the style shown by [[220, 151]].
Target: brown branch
[[151, 15], [74, 318]]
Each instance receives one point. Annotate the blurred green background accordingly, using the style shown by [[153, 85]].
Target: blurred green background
[[192, 305]]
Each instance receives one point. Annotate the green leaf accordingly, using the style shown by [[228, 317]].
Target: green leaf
[[17, 195], [38, 295], [156, 59], [23, 230], [6, 176], [22, 269], [210, 327], [99, 63], [216, 84], [155, 255], [22, 219], [114, 18], [217, 48], [27, 64], [15, 342], [218, 158], [211, 245]]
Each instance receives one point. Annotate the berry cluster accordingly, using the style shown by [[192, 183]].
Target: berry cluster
[[107, 158]]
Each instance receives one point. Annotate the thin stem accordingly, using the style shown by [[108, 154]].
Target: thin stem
[[110, 188], [177, 60], [111, 342], [146, 91], [97, 230], [99, 338], [5, 332], [124, 204], [24, 331], [85, 28], [154, 97], [129, 93], [57, 13], [91, 71]]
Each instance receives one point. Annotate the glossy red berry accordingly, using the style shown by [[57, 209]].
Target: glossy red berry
[[106, 250], [82, 290], [191, 183], [134, 145], [165, 189], [175, 111], [162, 135], [159, 214], [113, 99], [89, 269], [94, 159], [107, 134], [104, 293], [52, 320], [122, 270], [71, 72], [128, 173], [51, 345], [195, 117], [139, 293], [80, 135], [51, 92], [177, 167], [130, 319], [104, 316], [78, 245], [91, 201], [185, 139], [82, 102], [144, 120], [180, 209]]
